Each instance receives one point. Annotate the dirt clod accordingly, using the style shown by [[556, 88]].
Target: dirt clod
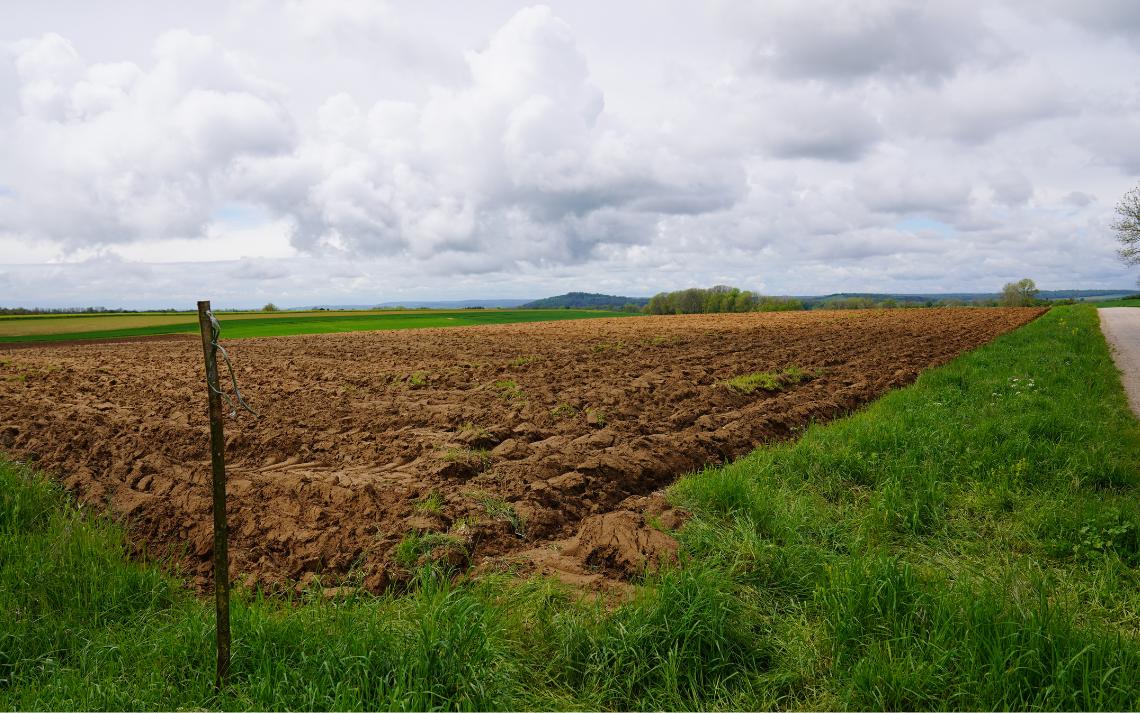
[[622, 544]]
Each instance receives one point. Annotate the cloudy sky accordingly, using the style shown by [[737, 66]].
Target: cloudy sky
[[353, 152]]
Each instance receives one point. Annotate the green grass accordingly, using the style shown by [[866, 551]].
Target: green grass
[[932, 544], [508, 390], [430, 503], [969, 542], [479, 459], [765, 380], [413, 547], [286, 323], [1124, 302], [499, 509], [564, 410], [521, 361]]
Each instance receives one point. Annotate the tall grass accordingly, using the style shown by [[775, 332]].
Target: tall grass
[[969, 542]]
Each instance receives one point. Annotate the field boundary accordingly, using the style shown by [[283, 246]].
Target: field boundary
[[245, 325]]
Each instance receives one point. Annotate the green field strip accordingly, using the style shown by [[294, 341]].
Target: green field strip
[[286, 324], [1118, 303]]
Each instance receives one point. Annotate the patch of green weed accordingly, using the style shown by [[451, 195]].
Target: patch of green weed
[[607, 346], [765, 380], [474, 431], [478, 458], [413, 547], [563, 411], [500, 509], [430, 503], [509, 390]]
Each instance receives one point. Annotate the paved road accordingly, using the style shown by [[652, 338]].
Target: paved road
[[1121, 327]]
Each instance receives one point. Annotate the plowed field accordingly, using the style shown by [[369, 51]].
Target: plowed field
[[496, 444]]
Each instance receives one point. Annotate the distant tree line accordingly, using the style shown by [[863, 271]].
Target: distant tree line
[[722, 298], [860, 302], [76, 310]]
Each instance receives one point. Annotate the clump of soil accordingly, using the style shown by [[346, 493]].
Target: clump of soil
[[510, 440]]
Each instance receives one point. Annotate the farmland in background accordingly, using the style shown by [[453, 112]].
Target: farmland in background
[[1128, 301], [235, 325]]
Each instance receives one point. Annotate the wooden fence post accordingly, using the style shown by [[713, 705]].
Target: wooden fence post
[[221, 529]]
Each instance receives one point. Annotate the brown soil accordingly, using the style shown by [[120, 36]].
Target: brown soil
[[47, 344], [538, 441]]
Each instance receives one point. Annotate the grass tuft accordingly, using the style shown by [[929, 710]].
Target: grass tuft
[[430, 503], [414, 547], [509, 390], [479, 459], [499, 509], [766, 380], [564, 411]]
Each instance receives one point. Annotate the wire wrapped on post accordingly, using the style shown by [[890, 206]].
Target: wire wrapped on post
[[215, 333]]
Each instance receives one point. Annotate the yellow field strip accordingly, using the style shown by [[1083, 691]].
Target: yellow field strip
[[33, 325]]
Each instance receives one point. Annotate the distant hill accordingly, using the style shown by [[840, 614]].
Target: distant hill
[[1078, 295], [1086, 295], [585, 300]]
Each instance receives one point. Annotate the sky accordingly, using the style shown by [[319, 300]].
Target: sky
[[357, 152]]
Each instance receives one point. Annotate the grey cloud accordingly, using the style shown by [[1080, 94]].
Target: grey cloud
[[859, 245], [976, 106], [1111, 138], [257, 269], [689, 200], [911, 192], [1080, 199], [1011, 186], [844, 41], [786, 120], [842, 141], [1108, 17]]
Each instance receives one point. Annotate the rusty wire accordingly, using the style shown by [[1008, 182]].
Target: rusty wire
[[215, 333]]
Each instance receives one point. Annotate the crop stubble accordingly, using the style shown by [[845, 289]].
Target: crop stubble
[[531, 444]]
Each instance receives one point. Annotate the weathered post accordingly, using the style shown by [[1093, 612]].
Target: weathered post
[[221, 529]]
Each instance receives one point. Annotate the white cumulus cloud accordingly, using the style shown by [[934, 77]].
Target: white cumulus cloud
[[113, 152]]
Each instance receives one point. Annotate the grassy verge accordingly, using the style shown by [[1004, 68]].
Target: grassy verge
[[969, 542], [1132, 301], [282, 323]]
